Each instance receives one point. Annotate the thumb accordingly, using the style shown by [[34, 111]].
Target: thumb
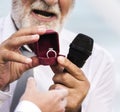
[[33, 63], [62, 93]]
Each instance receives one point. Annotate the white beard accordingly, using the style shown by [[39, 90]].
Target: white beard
[[23, 18]]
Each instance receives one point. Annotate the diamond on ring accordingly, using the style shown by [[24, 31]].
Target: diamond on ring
[[50, 50]]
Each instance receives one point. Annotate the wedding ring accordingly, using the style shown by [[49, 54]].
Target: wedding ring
[[51, 51]]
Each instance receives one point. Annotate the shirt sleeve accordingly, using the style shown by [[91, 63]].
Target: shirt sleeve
[[27, 106]]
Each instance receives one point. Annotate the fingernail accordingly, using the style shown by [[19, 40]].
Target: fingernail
[[35, 36], [61, 59], [28, 60]]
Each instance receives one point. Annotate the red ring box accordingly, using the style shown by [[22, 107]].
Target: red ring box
[[49, 40]]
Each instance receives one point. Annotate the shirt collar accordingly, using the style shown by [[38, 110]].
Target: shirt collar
[[8, 28]]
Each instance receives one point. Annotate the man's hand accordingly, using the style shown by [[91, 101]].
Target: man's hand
[[50, 101], [12, 62], [74, 80]]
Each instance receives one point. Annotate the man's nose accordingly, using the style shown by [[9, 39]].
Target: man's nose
[[51, 2]]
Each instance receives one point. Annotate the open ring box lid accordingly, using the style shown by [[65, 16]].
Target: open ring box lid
[[49, 40]]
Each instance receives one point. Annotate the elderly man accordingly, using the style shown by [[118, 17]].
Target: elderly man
[[90, 88]]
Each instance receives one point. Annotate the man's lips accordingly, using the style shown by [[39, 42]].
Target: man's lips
[[43, 15]]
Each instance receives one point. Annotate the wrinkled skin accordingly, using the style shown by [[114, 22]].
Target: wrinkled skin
[[53, 98], [33, 17], [73, 80], [12, 63], [25, 16]]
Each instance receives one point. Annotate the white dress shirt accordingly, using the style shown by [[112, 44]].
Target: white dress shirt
[[27, 106], [98, 69]]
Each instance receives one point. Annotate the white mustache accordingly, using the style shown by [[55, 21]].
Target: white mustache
[[40, 5]]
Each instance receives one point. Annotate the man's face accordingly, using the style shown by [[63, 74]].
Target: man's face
[[50, 13]]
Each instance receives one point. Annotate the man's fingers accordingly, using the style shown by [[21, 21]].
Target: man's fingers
[[24, 36], [16, 57], [35, 62], [62, 93], [15, 43], [57, 68], [71, 68], [30, 31], [65, 79], [59, 93], [63, 104]]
